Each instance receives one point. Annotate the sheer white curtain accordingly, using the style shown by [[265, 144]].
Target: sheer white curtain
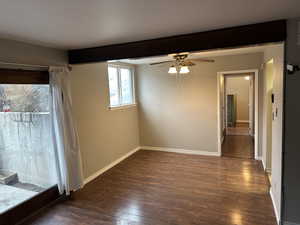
[[64, 132]]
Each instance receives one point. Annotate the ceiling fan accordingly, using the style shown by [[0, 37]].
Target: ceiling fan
[[181, 63]]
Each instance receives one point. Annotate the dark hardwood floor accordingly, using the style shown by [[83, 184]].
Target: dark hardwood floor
[[155, 188], [238, 146], [239, 129]]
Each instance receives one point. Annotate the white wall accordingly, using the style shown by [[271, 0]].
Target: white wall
[[267, 129], [182, 113], [222, 109], [104, 135], [19, 52], [277, 54], [238, 86]]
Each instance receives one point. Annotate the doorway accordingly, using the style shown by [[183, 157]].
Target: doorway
[[238, 114]]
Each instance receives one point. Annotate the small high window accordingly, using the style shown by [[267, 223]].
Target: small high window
[[121, 85]]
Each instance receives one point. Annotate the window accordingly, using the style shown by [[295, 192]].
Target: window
[[24, 98], [27, 158], [121, 85]]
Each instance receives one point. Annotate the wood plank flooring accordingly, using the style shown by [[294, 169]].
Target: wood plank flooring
[[160, 188], [238, 146], [239, 129]]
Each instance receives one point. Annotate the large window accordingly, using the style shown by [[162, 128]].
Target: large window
[[27, 164], [121, 85], [27, 160]]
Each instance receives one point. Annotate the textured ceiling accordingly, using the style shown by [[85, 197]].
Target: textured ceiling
[[70, 24]]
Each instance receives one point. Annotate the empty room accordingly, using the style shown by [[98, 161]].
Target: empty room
[[143, 115]]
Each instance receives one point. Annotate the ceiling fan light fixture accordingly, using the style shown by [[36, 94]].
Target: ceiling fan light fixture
[[172, 70], [184, 69]]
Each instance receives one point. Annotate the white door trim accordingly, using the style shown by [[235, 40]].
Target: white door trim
[[219, 74]]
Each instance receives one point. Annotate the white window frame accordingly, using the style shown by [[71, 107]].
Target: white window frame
[[131, 69]]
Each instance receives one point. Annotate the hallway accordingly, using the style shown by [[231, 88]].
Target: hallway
[[239, 129]]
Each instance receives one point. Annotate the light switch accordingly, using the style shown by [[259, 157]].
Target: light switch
[[298, 34]]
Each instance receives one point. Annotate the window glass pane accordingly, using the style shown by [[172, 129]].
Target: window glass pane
[[27, 160], [113, 86], [126, 86], [24, 98]]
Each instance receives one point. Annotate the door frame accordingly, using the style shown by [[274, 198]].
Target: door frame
[[251, 106], [219, 108]]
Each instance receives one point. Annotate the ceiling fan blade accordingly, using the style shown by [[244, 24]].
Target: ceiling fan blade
[[189, 63], [206, 60], [160, 62]]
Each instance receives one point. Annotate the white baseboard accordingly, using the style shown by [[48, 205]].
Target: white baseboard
[[268, 170], [180, 150], [242, 121], [176, 150], [259, 158], [99, 172], [275, 206], [263, 163]]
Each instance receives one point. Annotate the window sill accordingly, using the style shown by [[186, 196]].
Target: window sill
[[122, 106]]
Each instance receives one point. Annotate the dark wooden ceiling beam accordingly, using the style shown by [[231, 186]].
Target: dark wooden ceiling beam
[[261, 33]]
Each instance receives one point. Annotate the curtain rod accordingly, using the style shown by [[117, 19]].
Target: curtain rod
[[29, 65]]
